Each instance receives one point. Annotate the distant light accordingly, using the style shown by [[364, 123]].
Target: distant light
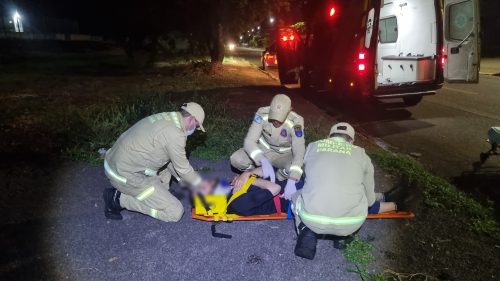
[[271, 20], [252, 29], [16, 16], [330, 80], [241, 37], [332, 12], [258, 27], [231, 46], [352, 84]]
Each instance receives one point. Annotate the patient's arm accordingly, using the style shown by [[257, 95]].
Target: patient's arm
[[265, 184], [258, 172]]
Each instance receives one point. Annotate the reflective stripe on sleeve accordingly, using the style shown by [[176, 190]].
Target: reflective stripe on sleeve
[[255, 153], [112, 173], [327, 220], [150, 173], [146, 193], [197, 181], [153, 213], [295, 168]]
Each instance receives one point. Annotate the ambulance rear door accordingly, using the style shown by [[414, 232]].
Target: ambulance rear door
[[462, 41]]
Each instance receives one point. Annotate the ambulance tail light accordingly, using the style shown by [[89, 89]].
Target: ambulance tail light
[[443, 57], [361, 62], [331, 11]]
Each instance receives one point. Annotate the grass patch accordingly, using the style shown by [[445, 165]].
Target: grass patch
[[440, 194], [88, 130], [359, 253]]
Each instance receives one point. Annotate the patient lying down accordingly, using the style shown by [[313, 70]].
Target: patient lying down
[[263, 196]]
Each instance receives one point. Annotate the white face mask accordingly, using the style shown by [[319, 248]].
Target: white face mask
[[189, 132]]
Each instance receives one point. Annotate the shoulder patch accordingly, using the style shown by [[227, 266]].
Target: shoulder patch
[[298, 131], [283, 133], [257, 119]]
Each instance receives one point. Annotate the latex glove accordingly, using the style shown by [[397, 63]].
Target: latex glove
[[290, 189], [267, 169]]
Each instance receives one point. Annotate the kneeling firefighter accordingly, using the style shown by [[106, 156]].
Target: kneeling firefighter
[[275, 139], [132, 164], [339, 187]]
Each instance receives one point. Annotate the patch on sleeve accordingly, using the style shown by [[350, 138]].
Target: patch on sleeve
[[298, 131], [257, 119], [283, 133]]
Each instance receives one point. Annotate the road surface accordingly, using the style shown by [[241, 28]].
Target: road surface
[[448, 130]]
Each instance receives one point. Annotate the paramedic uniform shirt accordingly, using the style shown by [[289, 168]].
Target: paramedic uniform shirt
[[339, 187], [258, 201]]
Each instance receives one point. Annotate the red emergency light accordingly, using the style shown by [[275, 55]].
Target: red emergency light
[[332, 11], [361, 61]]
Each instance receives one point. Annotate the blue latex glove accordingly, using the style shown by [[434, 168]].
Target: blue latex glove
[[290, 189], [267, 169]]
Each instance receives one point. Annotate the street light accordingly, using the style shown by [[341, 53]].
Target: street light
[[258, 27], [252, 29], [271, 20], [18, 26], [241, 37]]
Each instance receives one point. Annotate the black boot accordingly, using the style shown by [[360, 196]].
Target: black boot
[[112, 206], [341, 244], [306, 243], [398, 195]]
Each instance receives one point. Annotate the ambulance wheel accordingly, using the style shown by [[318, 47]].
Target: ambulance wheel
[[412, 101], [287, 78], [305, 84]]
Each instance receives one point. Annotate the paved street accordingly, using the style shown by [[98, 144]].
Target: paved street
[[448, 129], [63, 235]]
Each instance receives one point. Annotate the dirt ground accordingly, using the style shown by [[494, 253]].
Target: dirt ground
[[435, 245]]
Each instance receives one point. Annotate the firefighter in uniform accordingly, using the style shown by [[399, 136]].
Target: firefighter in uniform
[[155, 143], [339, 187], [275, 139]]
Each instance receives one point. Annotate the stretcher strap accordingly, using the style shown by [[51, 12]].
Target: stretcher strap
[[277, 203], [242, 191]]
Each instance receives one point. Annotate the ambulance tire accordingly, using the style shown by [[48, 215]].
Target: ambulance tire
[[305, 84], [287, 78], [412, 101]]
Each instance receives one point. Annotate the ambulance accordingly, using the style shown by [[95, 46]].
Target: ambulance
[[381, 48]]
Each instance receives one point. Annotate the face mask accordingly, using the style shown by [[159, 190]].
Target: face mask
[[190, 132]]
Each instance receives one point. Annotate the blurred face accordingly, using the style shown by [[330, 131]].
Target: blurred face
[[207, 186], [276, 123], [192, 124]]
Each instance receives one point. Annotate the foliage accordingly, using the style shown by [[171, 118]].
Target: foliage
[[360, 254], [439, 193], [88, 130]]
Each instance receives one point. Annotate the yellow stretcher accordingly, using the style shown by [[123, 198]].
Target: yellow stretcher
[[213, 208]]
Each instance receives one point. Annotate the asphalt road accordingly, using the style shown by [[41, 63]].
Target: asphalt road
[[57, 231], [448, 130]]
